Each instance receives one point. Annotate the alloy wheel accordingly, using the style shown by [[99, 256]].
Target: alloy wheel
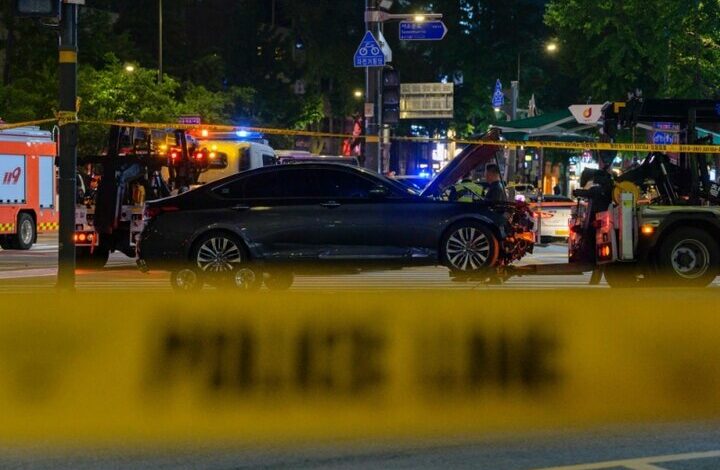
[[468, 249], [218, 254]]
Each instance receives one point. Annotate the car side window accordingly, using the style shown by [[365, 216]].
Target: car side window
[[259, 186], [342, 185]]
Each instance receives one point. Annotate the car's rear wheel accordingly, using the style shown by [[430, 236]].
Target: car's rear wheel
[[218, 252], [469, 247], [221, 259]]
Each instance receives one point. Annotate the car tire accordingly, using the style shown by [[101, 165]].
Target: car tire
[[279, 280], [469, 247], [97, 259], [218, 254], [688, 257], [26, 232]]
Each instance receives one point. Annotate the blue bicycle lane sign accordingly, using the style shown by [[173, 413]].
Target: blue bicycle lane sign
[[369, 53]]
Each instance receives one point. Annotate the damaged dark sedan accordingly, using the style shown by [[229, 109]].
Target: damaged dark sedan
[[324, 214]]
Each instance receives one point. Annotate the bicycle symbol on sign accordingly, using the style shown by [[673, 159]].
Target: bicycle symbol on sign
[[373, 49]]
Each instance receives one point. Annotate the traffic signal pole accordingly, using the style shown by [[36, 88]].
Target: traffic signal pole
[[67, 117]]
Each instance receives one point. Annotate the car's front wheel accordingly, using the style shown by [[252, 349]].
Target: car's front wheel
[[469, 247]]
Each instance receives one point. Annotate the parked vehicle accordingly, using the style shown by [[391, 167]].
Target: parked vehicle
[[322, 214], [27, 186], [555, 212]]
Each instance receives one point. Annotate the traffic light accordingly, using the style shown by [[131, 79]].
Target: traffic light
[[391, 96], [38, 8]]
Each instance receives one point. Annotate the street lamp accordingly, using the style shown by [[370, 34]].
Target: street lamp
[[358, 94], [551, 47], [129, 68], [419, 18]]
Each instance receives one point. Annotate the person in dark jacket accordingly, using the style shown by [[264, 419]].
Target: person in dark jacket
[[495, 191]]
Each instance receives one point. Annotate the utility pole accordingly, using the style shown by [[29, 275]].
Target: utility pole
[[68, 141], [160, 42], [372, 85]]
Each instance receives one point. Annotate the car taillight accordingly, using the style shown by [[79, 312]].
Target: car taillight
[[150, 212]]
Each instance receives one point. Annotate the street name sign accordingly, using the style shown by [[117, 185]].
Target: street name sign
[[422, 31], [426, 100], [369, 53]]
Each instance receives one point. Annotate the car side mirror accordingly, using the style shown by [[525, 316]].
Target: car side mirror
[[378, 192]]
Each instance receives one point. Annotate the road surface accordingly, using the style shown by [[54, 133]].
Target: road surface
[[35, 269]]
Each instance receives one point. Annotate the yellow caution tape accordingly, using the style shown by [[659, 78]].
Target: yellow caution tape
[[65, 117], [15, 125], [590, 145], [140, 369]]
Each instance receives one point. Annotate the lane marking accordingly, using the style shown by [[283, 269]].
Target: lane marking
[[642, 463], [24, 273]]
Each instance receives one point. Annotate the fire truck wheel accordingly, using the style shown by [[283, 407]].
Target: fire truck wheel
[[26, 232], [84, 259], [688, 257], [469, 247]]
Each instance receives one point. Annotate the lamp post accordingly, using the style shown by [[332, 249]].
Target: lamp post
[[550, 47]]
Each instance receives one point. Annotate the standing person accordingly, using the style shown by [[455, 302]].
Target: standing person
[[495, 191]]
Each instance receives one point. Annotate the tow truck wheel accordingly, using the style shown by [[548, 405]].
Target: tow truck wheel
[[279, 280], [97, 259], [688, 257], [621, 275], [26, 232], [469, 247]]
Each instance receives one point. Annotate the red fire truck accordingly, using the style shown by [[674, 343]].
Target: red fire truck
[[28, 203]]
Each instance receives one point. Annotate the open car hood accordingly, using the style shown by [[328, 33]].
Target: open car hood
[[470, 158]]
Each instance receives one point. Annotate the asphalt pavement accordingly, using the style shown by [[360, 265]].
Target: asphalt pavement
[[659, 447]]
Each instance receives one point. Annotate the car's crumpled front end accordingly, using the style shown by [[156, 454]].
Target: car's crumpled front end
[[520, 231], [519, 238]]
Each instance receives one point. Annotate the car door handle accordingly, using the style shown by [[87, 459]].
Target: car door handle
[[240, 207], [330, 204]]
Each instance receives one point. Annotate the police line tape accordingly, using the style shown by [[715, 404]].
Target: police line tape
[[140, 369], [589, 145]]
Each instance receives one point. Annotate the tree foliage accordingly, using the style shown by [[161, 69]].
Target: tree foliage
[[664, 47]]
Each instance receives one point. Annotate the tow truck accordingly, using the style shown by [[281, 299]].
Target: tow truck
[[655, 224], [138, 165]]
